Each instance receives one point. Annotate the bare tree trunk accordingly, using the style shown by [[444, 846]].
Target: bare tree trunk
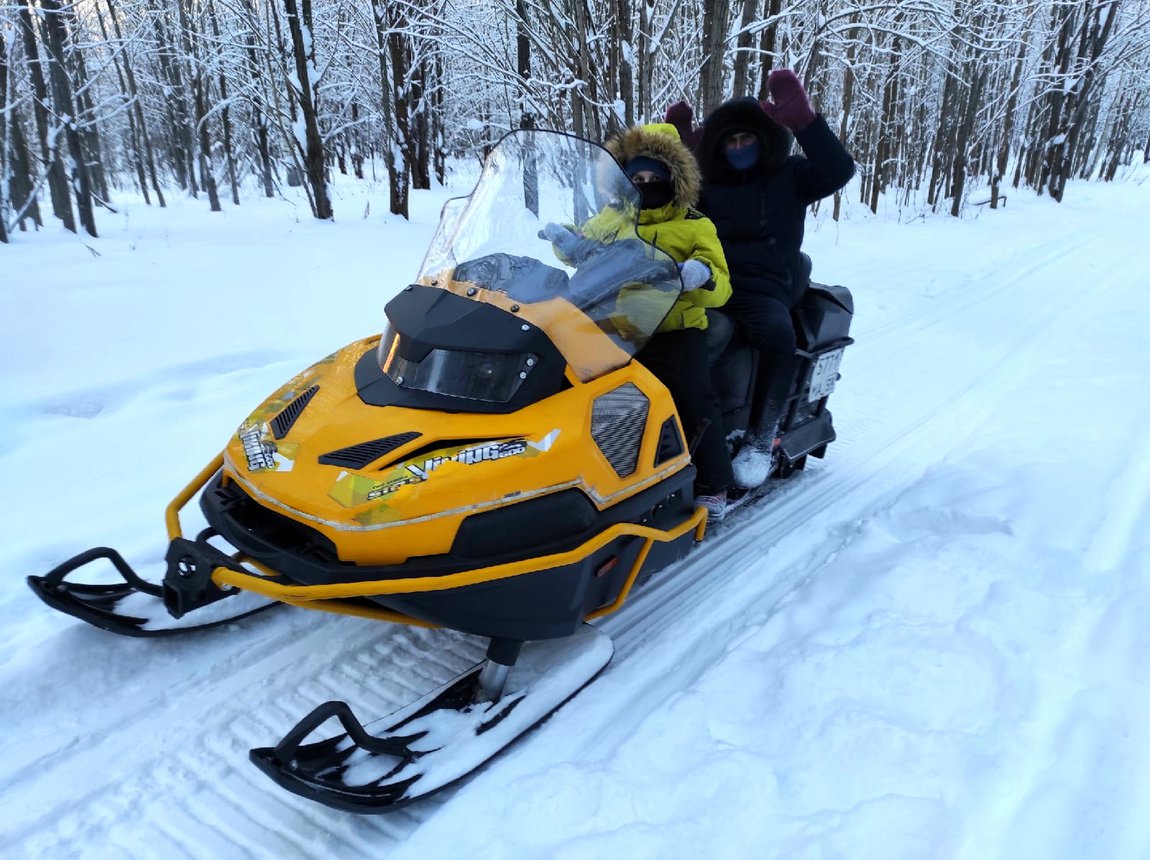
[[624, 65], [48, 134], [943, 141], [1054, 143], [145, 141], [1117, 145], [646, 62], [1008, 122], [225, 113], [438, 133], [962, 141], [844, 123], [395, 153], [259, 123], [311, 147], [180, 138], [17, 181], [5, 170], [768, 46], [56, 39], [190, 42], [133, 131], [586, 95], [420, 128], [523, 62], [741, 85], [88, 131], [1093, 38], [885, 130], [716, 17]]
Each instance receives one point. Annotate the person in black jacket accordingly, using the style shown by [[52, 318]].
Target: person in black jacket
[[757, 194]]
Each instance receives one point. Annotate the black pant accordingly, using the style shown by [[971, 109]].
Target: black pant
[[767, 322], [679, 360]]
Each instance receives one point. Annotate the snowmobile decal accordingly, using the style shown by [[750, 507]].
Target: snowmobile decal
[[470, 456], [546, 442], [262, 454], [351, 489]]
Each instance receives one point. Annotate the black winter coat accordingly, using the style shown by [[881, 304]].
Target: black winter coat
[[760, 212]]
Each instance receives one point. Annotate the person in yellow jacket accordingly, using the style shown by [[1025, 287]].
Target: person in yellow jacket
[[667, 177]]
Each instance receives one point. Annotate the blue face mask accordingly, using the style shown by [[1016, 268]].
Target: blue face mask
[[745, 156]]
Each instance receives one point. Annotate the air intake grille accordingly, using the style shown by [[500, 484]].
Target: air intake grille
[[617, 422], [358, 456], [283, 422], [670, 442]]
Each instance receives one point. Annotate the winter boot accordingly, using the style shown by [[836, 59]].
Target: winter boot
[[716, 505], [755, 462]]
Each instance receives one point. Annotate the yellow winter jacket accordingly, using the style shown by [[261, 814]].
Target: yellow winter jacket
[[683, 234]]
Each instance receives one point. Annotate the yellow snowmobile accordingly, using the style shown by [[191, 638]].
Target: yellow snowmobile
[[494, 463]]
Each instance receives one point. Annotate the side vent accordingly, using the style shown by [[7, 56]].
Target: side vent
[[670, 442], [359, 456], [617, 422], [283, 422]]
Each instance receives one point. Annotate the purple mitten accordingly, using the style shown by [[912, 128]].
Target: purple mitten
[[682, 117], [789, 105]]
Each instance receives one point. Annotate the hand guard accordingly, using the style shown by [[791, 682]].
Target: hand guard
[[696, 274]]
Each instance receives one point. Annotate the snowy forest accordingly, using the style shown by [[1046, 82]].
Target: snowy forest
[[935, 98]]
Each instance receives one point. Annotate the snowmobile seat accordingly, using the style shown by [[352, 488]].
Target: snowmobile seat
[[823, 316]]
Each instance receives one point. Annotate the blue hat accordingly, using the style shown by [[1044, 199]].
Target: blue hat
[[643, 162]]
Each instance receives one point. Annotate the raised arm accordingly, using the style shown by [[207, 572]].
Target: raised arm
[[827, 166]]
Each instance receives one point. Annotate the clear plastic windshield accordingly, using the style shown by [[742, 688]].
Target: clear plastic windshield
[[549, 233]]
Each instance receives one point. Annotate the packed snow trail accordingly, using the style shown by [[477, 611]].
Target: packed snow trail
[[918, 636]]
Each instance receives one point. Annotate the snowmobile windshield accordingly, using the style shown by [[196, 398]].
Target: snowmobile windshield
[[550, 234]]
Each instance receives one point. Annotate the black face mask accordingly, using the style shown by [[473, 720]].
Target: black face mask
[[654, 194]]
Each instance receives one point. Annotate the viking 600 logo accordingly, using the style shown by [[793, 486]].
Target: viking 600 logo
[[419, 472], [260, 455]]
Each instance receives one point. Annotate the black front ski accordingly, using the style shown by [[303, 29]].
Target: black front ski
[[434, 741], [134, 606]]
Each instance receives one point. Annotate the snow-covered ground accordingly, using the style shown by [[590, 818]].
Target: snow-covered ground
[[932, 644]]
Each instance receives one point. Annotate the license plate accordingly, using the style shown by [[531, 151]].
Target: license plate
[[824, 375]]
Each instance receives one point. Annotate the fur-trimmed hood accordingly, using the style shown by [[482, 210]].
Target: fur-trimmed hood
[[742, 114], [661, 142]]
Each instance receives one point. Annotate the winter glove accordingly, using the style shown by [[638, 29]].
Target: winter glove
[[564, 238], [696, 274], [789, 105], [682, 117]]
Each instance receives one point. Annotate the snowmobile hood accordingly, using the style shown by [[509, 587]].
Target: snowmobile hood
[[317, 453]]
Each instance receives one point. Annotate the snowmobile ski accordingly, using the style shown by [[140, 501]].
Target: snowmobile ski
[[437, 739], [134, 606]]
